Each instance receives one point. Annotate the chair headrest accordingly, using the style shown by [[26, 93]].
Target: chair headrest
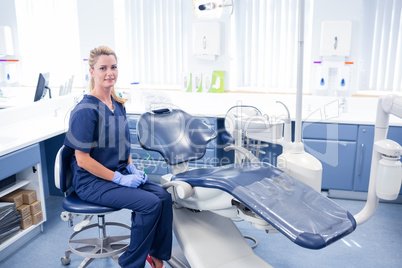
[[175, 134]]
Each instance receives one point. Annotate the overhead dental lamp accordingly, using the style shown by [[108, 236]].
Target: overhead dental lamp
[[207, 9]]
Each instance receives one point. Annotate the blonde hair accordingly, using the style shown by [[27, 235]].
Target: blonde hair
[[93, 58]]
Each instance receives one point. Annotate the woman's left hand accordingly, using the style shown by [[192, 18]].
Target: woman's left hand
[[131, 168]]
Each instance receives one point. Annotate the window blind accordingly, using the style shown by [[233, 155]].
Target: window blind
[[152, 30], [386, 54], [264, 36]]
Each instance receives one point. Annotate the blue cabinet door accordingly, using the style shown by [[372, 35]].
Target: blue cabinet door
[[363, 157], [365, 151], [395, 134], [337, 159]]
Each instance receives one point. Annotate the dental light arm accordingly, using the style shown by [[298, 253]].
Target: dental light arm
[[392, 104], [386, 105]]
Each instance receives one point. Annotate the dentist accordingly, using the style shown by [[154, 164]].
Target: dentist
[[103, 169]]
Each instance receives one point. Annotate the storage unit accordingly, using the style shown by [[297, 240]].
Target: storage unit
[[345, 151], [335, 146], [25, 164], [365, 151]]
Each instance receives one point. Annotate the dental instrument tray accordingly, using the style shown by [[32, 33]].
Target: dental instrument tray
[[302, 214]]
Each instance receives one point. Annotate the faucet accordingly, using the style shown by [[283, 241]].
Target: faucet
[[343, 106]]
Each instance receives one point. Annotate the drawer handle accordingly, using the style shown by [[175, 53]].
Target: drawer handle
[[361, 159]]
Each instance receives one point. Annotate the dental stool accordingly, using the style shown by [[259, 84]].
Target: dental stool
[[90, 248], [207, 199]]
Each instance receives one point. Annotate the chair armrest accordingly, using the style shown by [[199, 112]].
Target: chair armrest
[[182, 189]]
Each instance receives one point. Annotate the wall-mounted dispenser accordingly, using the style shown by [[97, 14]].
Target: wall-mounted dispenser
[[207, 40], [335, 38], [333, 71]]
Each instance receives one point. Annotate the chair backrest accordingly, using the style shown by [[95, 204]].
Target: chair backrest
[[176, 135], [63, 176]]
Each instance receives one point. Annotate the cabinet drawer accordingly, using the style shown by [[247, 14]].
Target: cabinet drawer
[[338, 162], [133, 137], [325, 131], [132, 120], [14, 162]]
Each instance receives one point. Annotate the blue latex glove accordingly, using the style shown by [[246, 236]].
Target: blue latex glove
[[131, 168], [131, 180]]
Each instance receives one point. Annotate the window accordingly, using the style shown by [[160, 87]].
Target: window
[[383, 42], [150, 37], [150, 33], [48, 40], [265, 38]]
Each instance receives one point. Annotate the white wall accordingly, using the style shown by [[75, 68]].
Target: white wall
[[8, 18], [96, 27], [329, 10], [194, 64]]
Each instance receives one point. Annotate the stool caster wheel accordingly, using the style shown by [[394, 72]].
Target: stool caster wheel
[[65, 261]]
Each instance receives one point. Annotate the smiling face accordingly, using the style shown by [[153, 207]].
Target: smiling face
[[105, 71]]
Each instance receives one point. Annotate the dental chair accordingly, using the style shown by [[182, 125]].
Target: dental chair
[[94, 247], [206, 200]]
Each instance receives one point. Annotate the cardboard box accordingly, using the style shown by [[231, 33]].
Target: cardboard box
[[14, 197], [28, 196], [24, 210], [37, 218], [25, 223], [35, 207]]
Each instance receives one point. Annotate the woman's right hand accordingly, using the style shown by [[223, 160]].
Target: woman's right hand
[[130, 180]]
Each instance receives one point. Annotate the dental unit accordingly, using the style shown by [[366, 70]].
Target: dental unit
[[283, 199]]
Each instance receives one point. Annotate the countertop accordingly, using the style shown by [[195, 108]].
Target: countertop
[[26, 123], [348, 110]]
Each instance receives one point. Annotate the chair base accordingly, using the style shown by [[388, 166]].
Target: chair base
[[93, 248]]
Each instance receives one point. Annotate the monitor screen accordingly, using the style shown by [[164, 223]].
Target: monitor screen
[[42, 87]]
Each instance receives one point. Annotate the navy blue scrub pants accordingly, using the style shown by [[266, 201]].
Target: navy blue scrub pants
[[151, 219]]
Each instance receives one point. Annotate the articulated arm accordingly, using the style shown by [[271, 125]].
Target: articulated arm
[[386, 105]]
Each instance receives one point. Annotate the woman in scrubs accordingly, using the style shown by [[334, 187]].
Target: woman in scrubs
[[103, 169]]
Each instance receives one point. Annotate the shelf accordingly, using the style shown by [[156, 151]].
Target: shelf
[[17, 185], [18, 235]]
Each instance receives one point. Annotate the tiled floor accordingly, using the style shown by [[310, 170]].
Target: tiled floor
[[376, 243]]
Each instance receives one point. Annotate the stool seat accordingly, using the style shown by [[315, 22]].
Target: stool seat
[[74, 204]]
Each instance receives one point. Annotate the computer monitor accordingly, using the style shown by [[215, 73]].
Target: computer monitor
[[42, 87]]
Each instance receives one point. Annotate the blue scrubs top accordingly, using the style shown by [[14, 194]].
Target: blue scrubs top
[[104, 134]]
